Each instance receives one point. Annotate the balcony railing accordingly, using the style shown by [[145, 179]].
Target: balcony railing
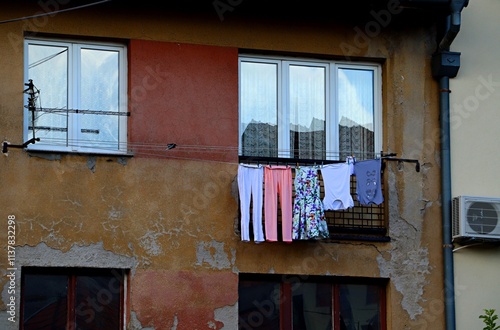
[[359, 222]]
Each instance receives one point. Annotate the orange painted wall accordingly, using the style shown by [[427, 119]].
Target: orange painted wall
[[184, 94]]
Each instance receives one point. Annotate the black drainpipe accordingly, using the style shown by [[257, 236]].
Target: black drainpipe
[[445, 65]]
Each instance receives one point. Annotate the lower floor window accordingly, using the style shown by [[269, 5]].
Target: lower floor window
[[310, 302], [72, 298]]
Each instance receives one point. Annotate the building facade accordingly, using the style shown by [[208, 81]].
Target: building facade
[[474, 100], [124, 129]]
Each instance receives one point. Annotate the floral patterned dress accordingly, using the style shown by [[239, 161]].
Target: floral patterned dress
[[308, 213]]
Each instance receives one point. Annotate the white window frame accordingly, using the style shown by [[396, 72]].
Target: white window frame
[[74, 47], [331, 115]]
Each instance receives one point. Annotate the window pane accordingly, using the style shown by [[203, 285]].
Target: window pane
[[48, 68], [360, 307], [312, 306], [258, 305], [45, 301], [99, 92], [356, 112], [258, 109], [307, 104], [97, 303]]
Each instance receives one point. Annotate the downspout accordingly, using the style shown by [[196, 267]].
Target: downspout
[[449, 280], [445, 65]]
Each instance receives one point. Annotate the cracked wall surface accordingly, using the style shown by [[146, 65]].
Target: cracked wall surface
[[171, 216]]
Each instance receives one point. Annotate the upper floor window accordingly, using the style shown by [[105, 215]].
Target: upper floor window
[[82, 100], [309, 109]]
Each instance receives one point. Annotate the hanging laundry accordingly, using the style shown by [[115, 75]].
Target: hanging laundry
[[368, 181], [337, 182], [250, 187], [308, 213], [278, 180]]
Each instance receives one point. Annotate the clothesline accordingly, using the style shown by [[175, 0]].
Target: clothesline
[[164, 151], [304, 218], [97, 143]]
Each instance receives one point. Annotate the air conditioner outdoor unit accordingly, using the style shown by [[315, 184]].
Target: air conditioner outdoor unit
[[475, 218]]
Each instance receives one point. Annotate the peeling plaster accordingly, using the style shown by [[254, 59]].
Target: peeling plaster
[[402, 263], [176, 323], [122, 160], [135, 324], [406, 257], [91, 163], [227, 315], [213, 254], [153, 241], [426, 204], [149, 241], [93, 255]]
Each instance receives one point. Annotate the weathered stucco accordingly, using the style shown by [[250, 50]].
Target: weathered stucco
[[169, 215]]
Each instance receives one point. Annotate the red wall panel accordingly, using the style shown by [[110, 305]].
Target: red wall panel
[[184, 94], [182, 299]]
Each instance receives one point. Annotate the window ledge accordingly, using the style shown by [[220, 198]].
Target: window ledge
[[56, 155], [360, 238]]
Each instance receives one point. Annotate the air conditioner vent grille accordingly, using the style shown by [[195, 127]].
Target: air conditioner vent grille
[[456, 216], [482, 217], [476, 217]]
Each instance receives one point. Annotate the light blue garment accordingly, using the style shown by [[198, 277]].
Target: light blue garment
[[368, 181]]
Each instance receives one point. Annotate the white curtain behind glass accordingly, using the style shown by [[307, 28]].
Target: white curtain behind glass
[[258, 109], [307, 104], [99, 91], [355, 97]]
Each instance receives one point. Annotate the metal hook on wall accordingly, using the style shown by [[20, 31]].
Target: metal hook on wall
[[390, 157]]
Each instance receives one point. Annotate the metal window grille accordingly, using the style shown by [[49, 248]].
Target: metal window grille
[[360, 222]]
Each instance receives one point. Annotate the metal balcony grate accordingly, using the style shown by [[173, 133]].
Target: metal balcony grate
[[357, 223]]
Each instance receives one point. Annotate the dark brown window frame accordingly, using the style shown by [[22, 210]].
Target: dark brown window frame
[[287, 281], [72, 273]]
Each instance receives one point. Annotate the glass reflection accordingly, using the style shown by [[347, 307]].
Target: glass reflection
[[258, 109], [48, 68], [359, 307], [97, 302], [45, 301], [307, 104], [259, 305], [312, 306], [356, 111], [99, 91]]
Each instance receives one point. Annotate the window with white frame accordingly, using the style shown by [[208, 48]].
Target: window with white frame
[[309, 109], [81, 96]]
